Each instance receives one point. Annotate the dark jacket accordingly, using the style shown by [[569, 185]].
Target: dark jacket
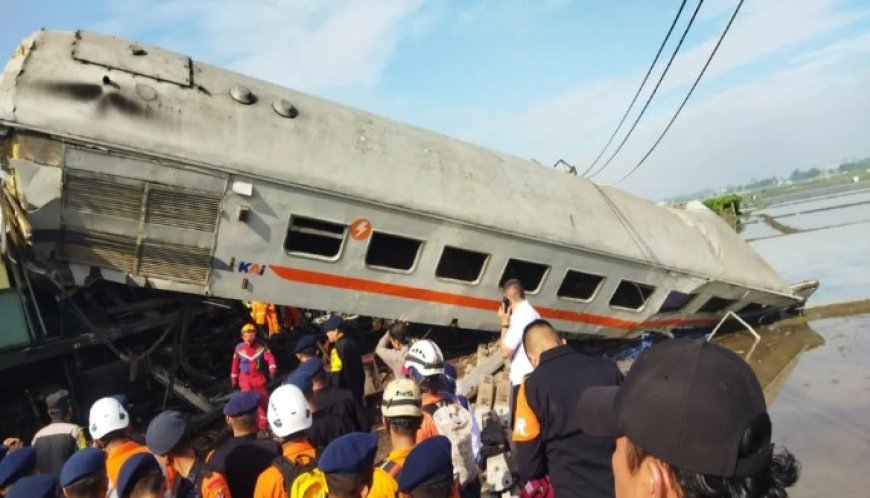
[[241, 459], [351, 376], [547, 435]]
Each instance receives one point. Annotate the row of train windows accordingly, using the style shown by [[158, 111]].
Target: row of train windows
[[325, 239]]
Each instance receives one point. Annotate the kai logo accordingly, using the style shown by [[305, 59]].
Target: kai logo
[[251, 268]]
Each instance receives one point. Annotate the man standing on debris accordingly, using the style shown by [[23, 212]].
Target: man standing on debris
[[251, 360], [514, 314], [55, 442], [549, 441], [243, 457], [345, 359], [393, 346]]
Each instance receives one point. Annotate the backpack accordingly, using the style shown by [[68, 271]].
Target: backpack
[[301, 479], [454, 421]]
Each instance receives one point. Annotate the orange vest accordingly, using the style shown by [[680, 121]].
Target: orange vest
[[266, 314], [116, 457], [270, 484]]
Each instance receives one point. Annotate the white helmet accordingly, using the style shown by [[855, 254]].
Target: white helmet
[[107, 415], [425, 357], [288, 411]]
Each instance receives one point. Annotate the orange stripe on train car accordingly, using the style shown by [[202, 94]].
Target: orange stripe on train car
[[416, 293]]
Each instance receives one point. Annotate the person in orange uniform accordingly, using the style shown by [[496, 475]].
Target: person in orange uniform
[[190, 476], [403, 413], [251, 360], [429, 471], [109, 425], [265, 315], [290, 418], [348, 465]]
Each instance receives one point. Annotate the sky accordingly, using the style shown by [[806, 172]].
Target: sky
[[541, 79]]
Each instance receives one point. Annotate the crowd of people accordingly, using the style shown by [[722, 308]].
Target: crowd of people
[[688, 420]]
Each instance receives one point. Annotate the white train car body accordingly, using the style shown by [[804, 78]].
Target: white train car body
[[130, 163]]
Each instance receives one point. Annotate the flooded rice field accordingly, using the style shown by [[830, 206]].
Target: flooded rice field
[[814, 369]]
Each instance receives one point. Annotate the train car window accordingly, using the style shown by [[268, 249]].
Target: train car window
[[675, 301], [716, 304], [530, 274], [392, 252], [313, 237], [752, 309], [631, 295], [460, 264], [579, 285]]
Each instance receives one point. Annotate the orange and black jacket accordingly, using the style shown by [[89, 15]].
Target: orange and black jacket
[[547, 436]]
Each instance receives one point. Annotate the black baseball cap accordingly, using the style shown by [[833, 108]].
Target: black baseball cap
[[689, 403]]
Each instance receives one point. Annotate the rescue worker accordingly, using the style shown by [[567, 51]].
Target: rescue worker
[[61, 438], [402, 410], [141, 477], [514, 318], [348, 464], [109, 425], [41, 486], [252, 361], [345, 359], [265, 316], [290, 419], [306, 347], [546, 432], [393, 346], [429, 471], [84, 475], [325, 425], [243, 457], [336, 401], [17, 465], [445, 414], [189, 475]]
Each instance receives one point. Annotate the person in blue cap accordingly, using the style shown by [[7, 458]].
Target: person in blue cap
[[345, 359], [141, 477], [348, 464], [243, 457], [168, 439], [307, 347], [326, 424], [428, 470], [44, 486], [84, 474], [17, 464]]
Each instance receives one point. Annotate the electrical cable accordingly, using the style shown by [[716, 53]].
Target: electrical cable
[[691, 90], [637, 93], [655, 90]]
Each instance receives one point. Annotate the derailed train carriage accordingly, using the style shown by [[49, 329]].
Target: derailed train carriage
[[130, 164]]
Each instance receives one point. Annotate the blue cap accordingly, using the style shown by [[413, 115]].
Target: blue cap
[[165, 432], [82, 464], [429, 461], [301, 380], [352, 453], [306, 342], [20, 462], [331, 323], [43, 486], [133, 469], [311, 366], [242, 402]]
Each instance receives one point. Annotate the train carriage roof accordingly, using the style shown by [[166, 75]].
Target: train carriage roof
[[144, 99]]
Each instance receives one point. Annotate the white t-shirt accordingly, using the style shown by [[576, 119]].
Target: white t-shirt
[[522, 315]]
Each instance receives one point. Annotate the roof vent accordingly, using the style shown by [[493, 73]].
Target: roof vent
[[285, 108], [243, 95], [137, 50]]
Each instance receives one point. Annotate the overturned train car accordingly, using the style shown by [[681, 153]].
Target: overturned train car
[[127, 163]]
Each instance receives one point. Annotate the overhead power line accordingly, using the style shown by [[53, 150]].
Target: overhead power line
[[691, 90], [637, 93], [654, 91]]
